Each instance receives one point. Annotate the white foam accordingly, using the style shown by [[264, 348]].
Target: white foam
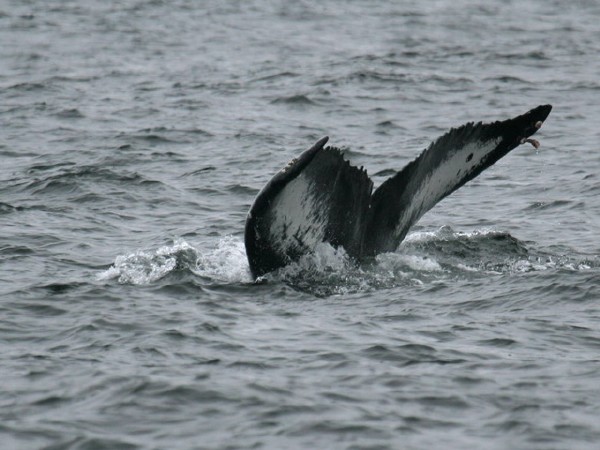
[[416, 263], [144, 267], [447, 232], [324, 259], [466, 268], [225, 263], [420, 236]]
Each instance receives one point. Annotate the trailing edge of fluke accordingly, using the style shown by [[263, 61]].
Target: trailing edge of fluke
[[319, 197]]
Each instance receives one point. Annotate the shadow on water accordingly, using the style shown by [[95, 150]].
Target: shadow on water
[[425, 259]]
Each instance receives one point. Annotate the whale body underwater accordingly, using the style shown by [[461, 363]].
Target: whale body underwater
[[320, 197]]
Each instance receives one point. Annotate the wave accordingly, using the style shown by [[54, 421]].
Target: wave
[[425, 258], [294, 100]]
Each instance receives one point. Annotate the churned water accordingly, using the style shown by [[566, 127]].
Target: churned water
[[134, 136]]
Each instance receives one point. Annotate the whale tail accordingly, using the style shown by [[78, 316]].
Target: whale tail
[[319, 197]]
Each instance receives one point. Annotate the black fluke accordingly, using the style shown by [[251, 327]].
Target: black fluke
[[319, 197]]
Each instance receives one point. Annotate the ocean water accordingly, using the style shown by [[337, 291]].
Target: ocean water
[[134, 136]]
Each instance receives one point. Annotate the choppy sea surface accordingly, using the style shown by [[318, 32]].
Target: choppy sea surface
[[134, 136]]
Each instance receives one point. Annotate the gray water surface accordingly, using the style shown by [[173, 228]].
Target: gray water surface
[[134, 137]]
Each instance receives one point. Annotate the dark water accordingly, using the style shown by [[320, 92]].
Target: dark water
[[134, 136]]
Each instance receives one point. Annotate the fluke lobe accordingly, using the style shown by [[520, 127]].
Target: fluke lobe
[[319, 197]]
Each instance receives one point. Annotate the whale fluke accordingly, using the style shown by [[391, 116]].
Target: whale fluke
[[319, 197]]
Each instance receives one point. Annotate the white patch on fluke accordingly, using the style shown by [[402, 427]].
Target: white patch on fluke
[[445, 177], [298, 216]]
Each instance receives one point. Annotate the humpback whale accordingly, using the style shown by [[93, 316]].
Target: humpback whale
[[320, 197]]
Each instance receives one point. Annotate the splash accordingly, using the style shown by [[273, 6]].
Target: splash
[[424, 258], [330, 271], [225, 263]]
